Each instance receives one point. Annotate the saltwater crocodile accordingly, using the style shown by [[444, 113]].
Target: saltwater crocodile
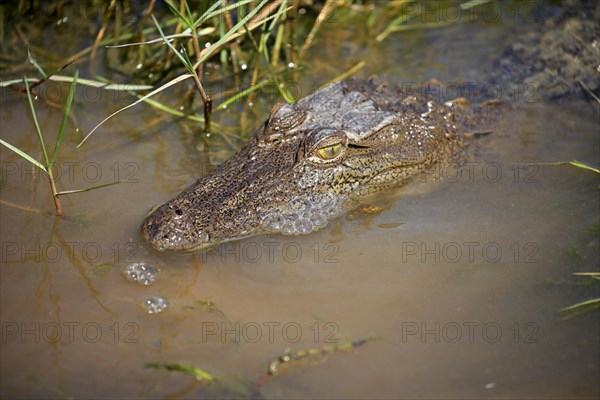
[[310, 162], [314, 160]]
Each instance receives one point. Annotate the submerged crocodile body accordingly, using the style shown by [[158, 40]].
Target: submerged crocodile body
[[332, 150], [309, 163]]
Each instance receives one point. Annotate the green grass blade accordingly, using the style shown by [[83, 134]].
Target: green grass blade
[[402, 19], [579, 164], [423, 25], [208, 13], [35, 121], [282, 9], [152, 93], [177, 113], [587, 89], [24, 155], [187, 33], [286, 94], [63, 123], [15, 81], [473, 3], [222, 10], [187, 65], [81, 81], [350, 72], [223, 39], [35, 63], [101, 85], [575, 163], [241, 94], [196, 372], [64, 192], [169, 110], [188, 21], [581, 308], [190, 15], [593, 302]]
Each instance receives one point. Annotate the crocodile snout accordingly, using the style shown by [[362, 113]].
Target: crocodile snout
[[171, 228]]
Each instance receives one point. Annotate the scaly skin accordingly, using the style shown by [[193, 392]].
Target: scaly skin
[[309, 163], [333, 149]]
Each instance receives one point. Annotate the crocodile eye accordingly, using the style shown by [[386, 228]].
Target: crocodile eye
[[326, 146], [330, 152]]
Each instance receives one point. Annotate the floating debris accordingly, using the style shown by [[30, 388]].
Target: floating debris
[[391, 225], [206, 305], [99, 271], [142, 273], [154, 304], [199, 374], [289, 356]]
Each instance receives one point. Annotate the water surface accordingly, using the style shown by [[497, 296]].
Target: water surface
[[460, 280]]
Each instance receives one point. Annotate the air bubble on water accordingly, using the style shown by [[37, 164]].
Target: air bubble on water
[[154, 304], [303, 226], [288, 229], [318, 220], [244, 66], [303, 215], [141, 273], [139, 66]]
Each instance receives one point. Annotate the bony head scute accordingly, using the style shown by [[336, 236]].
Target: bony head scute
[[326, 146]]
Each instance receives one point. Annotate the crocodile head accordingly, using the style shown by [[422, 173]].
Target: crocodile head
[[309, 163]]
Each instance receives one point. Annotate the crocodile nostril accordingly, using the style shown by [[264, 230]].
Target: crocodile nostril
[[151, 229]]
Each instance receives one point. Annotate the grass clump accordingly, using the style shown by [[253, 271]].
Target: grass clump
[[49, 160]]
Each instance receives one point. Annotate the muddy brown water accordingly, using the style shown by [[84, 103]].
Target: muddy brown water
[[460, 280]]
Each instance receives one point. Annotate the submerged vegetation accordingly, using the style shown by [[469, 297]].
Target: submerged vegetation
[[251, 389]]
